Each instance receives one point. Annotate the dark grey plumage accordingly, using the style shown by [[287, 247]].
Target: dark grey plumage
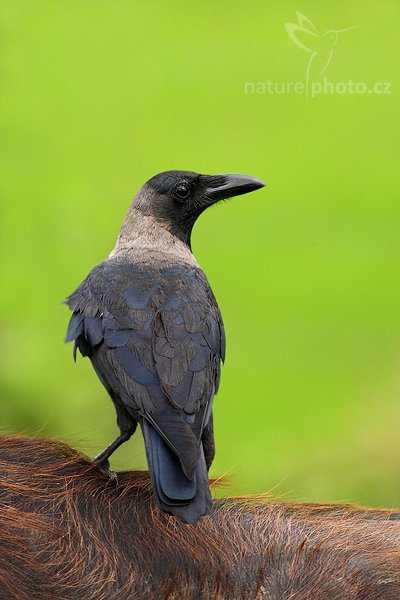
[[149, 322]]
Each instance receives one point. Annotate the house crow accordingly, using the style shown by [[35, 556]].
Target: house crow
[[149, 322]]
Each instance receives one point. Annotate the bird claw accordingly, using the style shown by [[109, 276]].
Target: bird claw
[[105, 468]]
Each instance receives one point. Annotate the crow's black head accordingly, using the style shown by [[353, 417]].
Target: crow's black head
[[177, 198]]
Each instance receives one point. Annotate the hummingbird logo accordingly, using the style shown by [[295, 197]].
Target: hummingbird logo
[[320, 46]]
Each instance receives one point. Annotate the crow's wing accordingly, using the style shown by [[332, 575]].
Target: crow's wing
[[156, 339]]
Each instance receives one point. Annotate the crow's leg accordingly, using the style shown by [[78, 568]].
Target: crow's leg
[[105, 454], [127, 426]]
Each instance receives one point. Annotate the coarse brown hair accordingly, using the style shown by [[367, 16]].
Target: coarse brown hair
[[67, 533]]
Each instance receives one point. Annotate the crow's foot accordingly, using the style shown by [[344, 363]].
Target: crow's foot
[[105, 468]]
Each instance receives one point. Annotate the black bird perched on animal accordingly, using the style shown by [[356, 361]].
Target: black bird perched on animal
[[150, 324]]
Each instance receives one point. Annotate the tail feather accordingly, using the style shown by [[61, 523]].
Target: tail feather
[[187, 499], [178, 434]]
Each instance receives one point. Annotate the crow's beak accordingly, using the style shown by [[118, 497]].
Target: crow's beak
[[220, 187]]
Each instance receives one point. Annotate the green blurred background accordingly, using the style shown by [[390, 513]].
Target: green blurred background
[[96, 97]]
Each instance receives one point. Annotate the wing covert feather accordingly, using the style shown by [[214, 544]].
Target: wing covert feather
[[156, 337]]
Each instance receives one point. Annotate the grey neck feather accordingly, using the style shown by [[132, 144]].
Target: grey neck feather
[[144, 240]]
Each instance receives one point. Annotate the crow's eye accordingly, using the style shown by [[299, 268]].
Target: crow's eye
[[182, 191]]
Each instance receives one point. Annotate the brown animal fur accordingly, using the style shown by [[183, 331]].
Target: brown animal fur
[[66, 533]]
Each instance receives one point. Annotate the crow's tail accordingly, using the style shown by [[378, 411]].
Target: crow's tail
[[187, 499]]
